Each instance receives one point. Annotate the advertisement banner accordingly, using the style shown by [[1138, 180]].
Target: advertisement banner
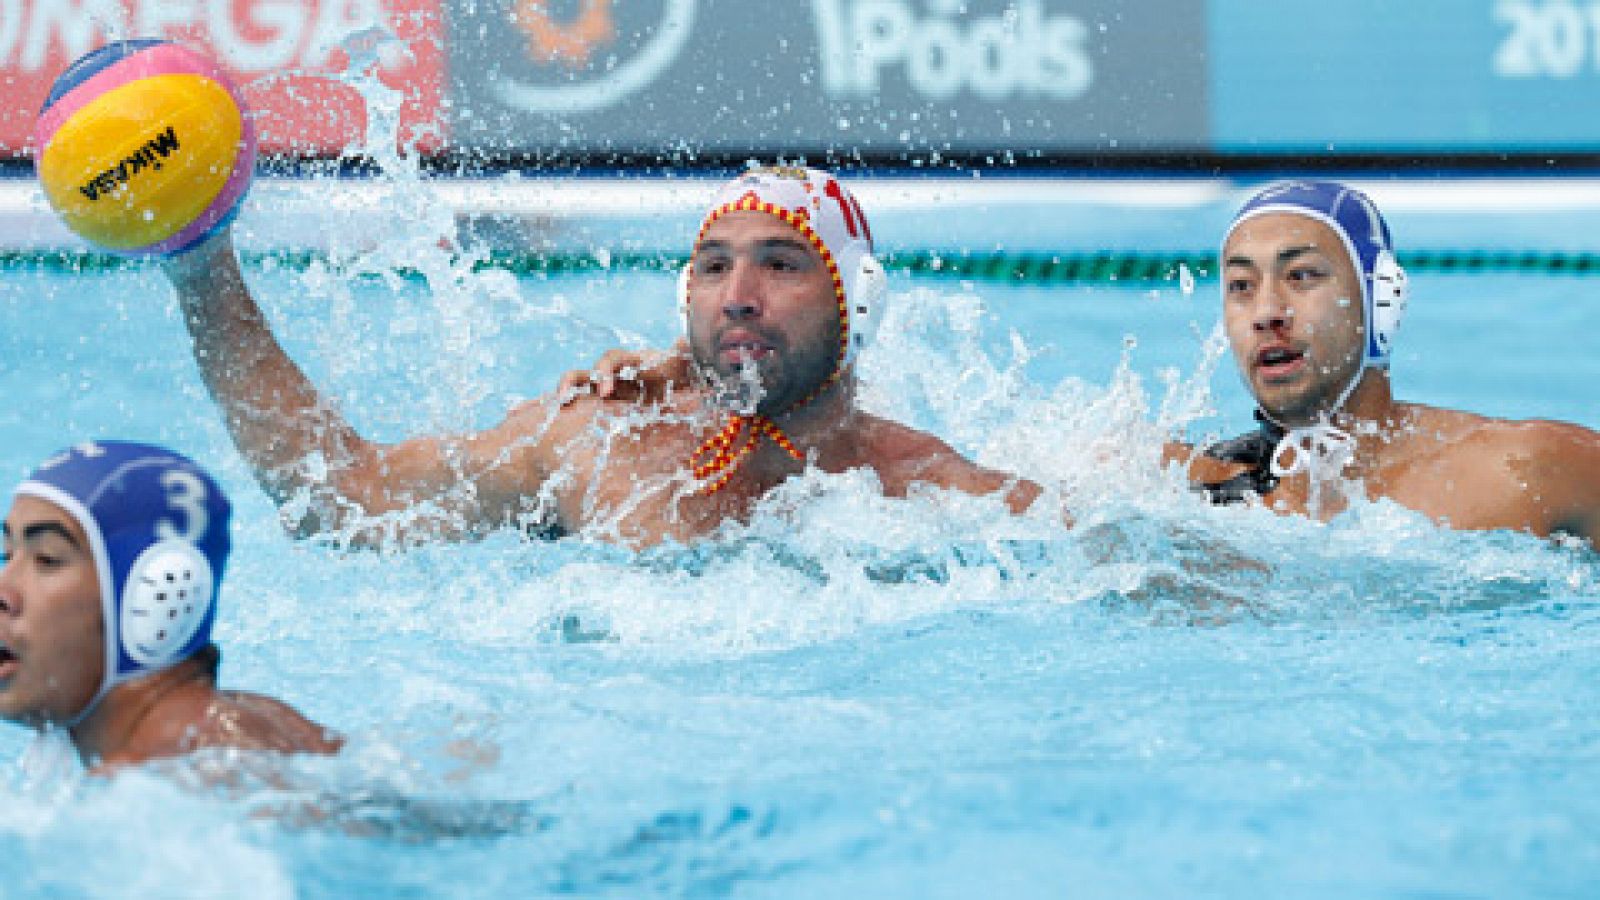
[[911, 81], [281, 53], [878, 78], [1425, 76]]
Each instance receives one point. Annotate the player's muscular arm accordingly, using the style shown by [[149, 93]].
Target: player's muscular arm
[[296, 442], [926, 459], [1019, 492], [275, 416], [1174, 452], [458, 486], [1201, 469]]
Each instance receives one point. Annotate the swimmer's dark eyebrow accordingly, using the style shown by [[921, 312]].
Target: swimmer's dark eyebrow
[[765, 243], [1290, 254], [1287, 255], [39, 529]]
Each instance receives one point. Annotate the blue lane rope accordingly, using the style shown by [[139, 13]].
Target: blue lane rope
[[1038, 268]]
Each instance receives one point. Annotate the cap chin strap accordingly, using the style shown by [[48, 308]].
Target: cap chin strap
[[715, 461], [1321, 449]]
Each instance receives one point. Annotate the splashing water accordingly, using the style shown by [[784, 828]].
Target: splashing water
[[848, 683], [847, 694]]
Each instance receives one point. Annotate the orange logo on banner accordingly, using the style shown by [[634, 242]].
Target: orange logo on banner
[[571, 43]]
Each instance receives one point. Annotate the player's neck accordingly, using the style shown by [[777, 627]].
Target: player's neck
[[815, 427], [1373, 418], [126, 709]]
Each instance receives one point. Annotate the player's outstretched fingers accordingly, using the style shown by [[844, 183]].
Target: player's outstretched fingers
[[618, 374], [574, 384]]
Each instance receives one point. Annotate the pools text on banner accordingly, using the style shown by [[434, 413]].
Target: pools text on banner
[[885, 78]]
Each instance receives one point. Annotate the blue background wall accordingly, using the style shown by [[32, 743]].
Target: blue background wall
[[1418, 75]]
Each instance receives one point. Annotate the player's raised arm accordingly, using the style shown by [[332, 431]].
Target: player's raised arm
[[305, 452], [146, 150]]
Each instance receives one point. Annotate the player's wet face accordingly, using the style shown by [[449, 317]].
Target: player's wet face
[[51, 625], [762, 300], [1293, 313]]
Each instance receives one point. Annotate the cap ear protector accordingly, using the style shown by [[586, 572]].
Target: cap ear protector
[[867, 292], [165, 600], [1389, 291]]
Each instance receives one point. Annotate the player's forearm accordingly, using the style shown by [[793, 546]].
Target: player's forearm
[[275, 415], [1019, 493]]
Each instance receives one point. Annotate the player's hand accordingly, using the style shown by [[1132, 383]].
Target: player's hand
[[640, 376]]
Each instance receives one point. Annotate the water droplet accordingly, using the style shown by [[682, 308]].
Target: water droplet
[[1185, 280]]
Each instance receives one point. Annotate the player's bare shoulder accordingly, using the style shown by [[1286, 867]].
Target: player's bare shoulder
[[903, 456], [898, 452], [1448, 445], [1556, 467], [256, 722], [1537, 475], [543, 429], [551, 432], [1535, 448]]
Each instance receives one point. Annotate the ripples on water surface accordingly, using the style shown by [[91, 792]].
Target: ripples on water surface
[[884, 698]]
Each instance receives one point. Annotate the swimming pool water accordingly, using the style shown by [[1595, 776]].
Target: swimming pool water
[[851, 695]]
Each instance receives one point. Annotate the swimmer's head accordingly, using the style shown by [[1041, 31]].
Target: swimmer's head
[[1312, 297], [155, 529], [1365, 237], [831, 223]]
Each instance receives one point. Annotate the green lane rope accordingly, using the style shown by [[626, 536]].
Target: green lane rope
[[1020, 268]]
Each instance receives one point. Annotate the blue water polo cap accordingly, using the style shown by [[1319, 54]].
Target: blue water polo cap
[[1355, 218], [157, 526]]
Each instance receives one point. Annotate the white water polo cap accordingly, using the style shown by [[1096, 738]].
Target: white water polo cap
[[1355, 219], [815, 204], [157, 526]]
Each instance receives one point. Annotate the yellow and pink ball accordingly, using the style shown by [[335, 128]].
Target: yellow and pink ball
[[144, 148]]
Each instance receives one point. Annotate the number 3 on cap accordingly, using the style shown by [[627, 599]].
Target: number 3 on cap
[[186, 494]]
